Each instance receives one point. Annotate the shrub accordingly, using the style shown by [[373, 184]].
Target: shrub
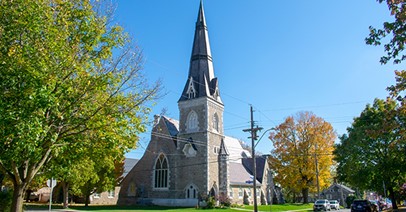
[[211, 203], [224, 200]]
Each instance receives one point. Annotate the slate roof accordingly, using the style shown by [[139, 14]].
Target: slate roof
[[239, 175], [201, 69], [346, 188], [129, 163], [260, 166], [235, 150], [172, 125]]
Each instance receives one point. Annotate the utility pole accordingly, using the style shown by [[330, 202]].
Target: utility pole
[[254, 137], [317, 173]]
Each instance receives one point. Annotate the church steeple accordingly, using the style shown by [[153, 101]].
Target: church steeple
[[201, 81]]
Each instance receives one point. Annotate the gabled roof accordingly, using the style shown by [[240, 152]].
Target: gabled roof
[[240, 176], [129, 164], [340, 186], [172, 125], [260, 166]]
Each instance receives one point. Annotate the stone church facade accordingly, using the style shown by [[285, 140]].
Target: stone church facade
[[190, 159]]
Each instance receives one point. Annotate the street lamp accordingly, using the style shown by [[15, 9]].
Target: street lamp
[[253, 138]]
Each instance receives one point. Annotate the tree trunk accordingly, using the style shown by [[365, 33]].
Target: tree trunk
[[65, 190], [305, 194], [392, 198], [87, 200], [18, 198]]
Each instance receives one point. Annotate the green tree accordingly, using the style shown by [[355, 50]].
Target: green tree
[[396, 31], [373, 152], [69, 79], [302, 154]]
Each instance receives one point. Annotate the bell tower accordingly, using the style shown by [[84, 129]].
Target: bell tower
[[201, 117]]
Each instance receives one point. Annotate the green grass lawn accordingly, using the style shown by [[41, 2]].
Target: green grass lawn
[[273, 208]]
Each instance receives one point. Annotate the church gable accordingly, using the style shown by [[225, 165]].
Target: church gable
[[165, 129]]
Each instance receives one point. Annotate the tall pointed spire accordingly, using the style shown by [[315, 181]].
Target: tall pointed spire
[[201, 81]]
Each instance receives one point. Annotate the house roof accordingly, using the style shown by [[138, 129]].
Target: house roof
[[260, 166], [235, 150], [172, 125], [346, 188], [239, 175], [341, 186], [129, 163]]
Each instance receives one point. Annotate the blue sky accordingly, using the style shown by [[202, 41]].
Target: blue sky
[[280, 56]]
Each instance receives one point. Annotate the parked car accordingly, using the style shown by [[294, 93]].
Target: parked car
[[362, 206], [321, 204], [334, 204]]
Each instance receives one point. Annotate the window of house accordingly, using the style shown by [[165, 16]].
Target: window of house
[[240, 193], [216, 150], [132, 190], [96, 195], [111, 194], [192, 122], [249, 192], [216, 122], [191, 192], [231, 194], [161, 172]]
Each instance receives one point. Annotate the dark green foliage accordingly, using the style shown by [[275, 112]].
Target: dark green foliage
[[5, 200], [349, 200], [373, 153]]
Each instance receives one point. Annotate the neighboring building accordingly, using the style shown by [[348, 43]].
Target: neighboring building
[[337, 192], [190, 159], [111, 197]]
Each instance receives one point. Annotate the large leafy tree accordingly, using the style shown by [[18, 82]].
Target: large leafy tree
[[303, 147], [373, 153], [69, 78], [396, 32]]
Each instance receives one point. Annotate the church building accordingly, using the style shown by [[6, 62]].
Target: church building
[[190, 159]]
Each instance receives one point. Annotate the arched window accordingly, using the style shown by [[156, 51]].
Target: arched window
[[132, 190], [216, 122], [191, 192], [161, 172], [192, 122]]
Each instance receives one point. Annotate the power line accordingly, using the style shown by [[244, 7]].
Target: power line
[[317, 106]]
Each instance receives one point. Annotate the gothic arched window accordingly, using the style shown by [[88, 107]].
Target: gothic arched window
[[191, 192], [161, 174], [216, 122], [192, 122]]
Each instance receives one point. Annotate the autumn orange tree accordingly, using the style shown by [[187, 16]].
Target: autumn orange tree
[[301, 143]]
